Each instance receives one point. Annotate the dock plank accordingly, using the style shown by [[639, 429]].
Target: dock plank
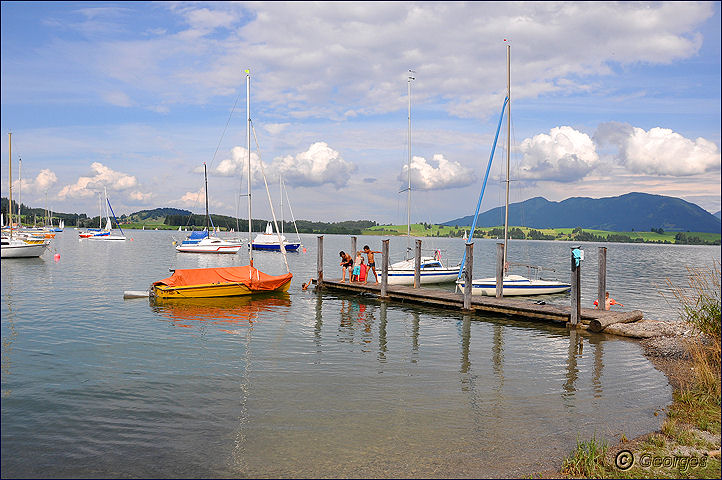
[[505, 306]]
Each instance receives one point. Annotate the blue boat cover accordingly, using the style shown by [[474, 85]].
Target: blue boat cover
[[198, 235]]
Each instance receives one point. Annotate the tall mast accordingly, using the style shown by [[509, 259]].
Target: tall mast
[[10, 181], [248, 148], [508, 148], [205, 176], [280, 194], [20, 184], [408, 174]]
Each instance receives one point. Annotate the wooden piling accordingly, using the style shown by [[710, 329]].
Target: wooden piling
[[468, 274], [385, 267], [319, 262], [576, 290], [499, 270], [417, 265], [353, 248], [601, 277]]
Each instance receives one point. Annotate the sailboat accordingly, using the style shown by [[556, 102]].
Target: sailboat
[[511, 284], [225, 281], [18, 246], [272, 242], [203, 242], [431, 269], [107, 232]]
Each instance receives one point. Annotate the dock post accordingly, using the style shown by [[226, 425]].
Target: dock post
[[417, 265], [319, 262], [468, 269], [499, 270], [602, 277], [385, 267], [576, 292], [353, 247]]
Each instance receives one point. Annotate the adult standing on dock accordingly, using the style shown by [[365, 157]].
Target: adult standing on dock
[[346, 263]]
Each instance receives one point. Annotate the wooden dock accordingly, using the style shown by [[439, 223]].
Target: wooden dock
[[526, 308], [573, 315]]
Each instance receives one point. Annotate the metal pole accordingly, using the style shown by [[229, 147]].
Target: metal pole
[[602, 277], [468, 267], [319, 262], [385, 266], [508, 147], [417, 265], [576, 292], [500, 256]]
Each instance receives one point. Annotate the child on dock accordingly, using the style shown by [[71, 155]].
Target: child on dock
[[346, 263], [357, 267], [371, 263]]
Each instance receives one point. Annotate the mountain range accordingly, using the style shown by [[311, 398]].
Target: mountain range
[[625, 213]]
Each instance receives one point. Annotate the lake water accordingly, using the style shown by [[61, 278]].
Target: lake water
[[305, 384]]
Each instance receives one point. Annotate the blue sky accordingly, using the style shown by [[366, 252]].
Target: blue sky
[[607, 98]]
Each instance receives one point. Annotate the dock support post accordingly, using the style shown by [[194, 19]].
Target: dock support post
[[385, 267], [468, 269], [602, 277], [353, 247], [499, 270], [576, 292], [319, 262], [417, 265]]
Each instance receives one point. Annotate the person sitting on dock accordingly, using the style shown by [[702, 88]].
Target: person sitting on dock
[[346, 263], [371, 263]]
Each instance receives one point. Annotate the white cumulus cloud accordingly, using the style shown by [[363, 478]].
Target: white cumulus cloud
[[41, 183], [563, 155], [659, 151], [447, 174], [104, 177], [318, 165]]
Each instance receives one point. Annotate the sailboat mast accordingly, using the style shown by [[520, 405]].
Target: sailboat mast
[[205, 177], [280, 194], [248, 148], [508, 148], [10, 181], [408, 174], [20, 184]]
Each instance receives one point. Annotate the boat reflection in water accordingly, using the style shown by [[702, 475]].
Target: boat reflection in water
[[228, 314]]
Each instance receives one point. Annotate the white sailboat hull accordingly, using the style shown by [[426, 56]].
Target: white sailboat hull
[[16, 248], [516, 285], [209, 245], [402, 273]]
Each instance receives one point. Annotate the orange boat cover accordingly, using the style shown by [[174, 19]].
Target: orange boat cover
[[253, 278]]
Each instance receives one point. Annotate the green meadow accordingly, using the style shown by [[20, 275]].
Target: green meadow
[[572, 234]]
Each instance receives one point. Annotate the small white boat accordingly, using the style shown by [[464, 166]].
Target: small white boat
[[201, 242], [516, 285], [14, 247], [269, 241], [431, 270], [511, 284]]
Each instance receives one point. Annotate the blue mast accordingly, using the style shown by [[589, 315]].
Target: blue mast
[[483, 186]]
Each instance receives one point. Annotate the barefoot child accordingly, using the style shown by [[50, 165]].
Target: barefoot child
[[371, 262]]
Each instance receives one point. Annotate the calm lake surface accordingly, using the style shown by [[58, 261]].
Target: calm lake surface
[[307, 385]]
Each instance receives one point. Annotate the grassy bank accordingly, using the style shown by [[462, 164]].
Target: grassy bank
[[688, 444], [570, 234]]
